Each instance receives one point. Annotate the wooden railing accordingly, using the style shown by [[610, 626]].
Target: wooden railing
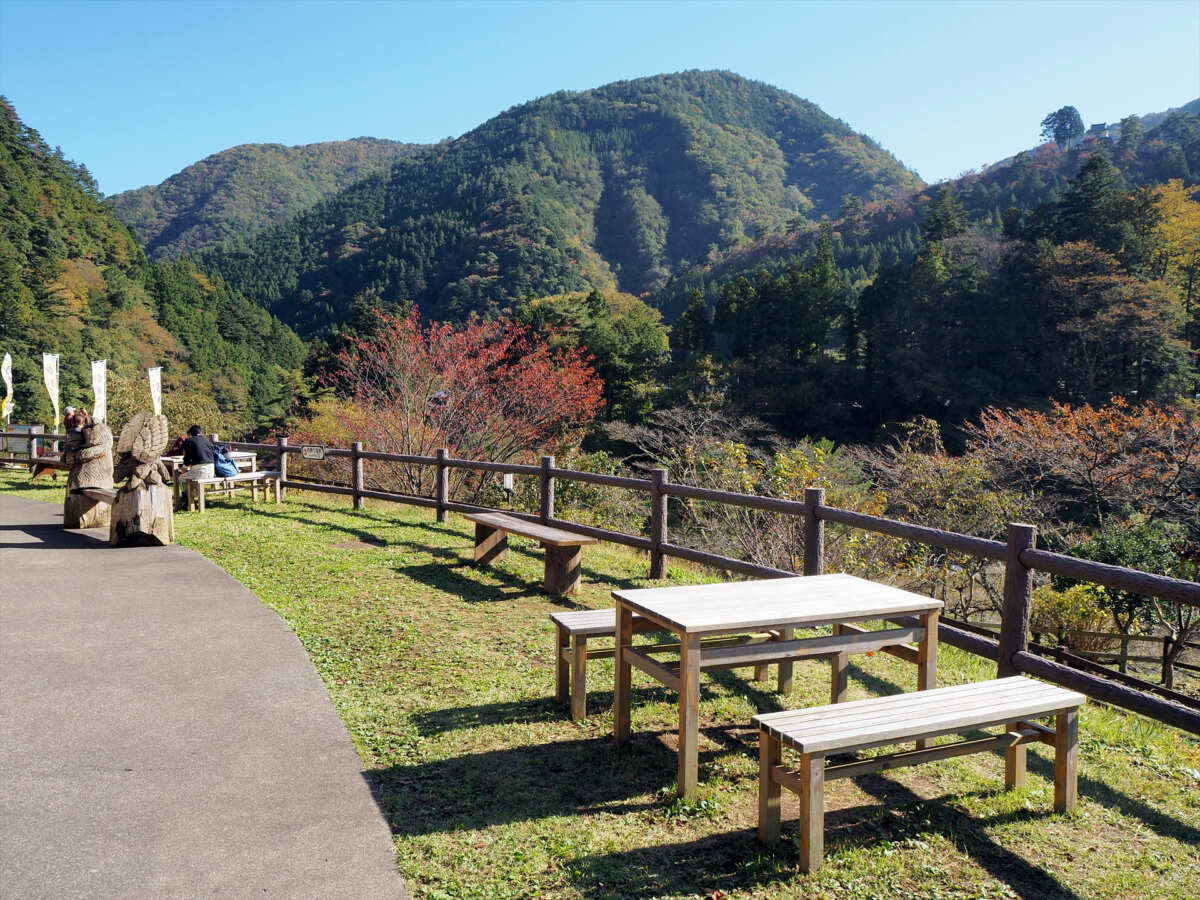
[[1019, 554]]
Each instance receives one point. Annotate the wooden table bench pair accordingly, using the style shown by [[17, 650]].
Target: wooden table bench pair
[[197, 488], [818, 732], [564, 549], [573, 650]]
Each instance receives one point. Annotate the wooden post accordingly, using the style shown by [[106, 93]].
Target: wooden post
[[357, 472], [547, 512], [441, 489], [814, 532], [283, 442], [658, 523], [1018, 598]]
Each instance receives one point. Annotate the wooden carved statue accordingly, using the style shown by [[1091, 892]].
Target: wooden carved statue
[[89, 453], [142, 511]]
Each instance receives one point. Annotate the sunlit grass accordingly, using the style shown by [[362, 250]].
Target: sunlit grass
[[444, 676]]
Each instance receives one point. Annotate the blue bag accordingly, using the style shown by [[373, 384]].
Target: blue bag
[[222, 464]]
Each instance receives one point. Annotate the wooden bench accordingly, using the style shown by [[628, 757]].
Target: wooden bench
[[220, 484], [564, 553], [574, 628], [843, 727]]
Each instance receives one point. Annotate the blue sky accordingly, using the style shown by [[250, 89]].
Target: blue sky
[[138, 90]]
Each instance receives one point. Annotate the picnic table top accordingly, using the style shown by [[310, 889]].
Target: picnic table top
[[773, 602]]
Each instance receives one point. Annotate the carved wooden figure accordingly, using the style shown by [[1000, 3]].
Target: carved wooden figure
[[89, 454], [142, 511]]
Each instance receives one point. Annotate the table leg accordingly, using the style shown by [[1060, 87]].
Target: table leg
[[785, 668], [689, 714], [1066, 760], [621, 690], [927, 659], [839, 665]]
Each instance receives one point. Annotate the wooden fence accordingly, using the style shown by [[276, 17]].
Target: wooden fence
[[1019, 554]]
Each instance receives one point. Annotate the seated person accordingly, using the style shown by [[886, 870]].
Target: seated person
[[197, 455]]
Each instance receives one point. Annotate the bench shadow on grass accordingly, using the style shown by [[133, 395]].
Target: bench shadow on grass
[[497, 787], [735, 860]]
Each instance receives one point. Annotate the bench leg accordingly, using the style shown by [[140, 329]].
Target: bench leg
[[254, 491], [200, 488], [276, 483], [812, 811], [839, 666], [1014, 762], [564, 568], [491, 544], [579, 677], [562, 668], [770, 794], [1066, 760]]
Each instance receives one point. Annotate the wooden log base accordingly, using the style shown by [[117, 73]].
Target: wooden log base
[[491, 544], [564, 569], [143, 517]]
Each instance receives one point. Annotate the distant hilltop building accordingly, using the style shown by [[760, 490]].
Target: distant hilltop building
[[1100, 131]]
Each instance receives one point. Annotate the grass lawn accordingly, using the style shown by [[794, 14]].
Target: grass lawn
[[444, 676]]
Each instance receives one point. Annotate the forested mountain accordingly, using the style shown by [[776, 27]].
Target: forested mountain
[[74, 281], [615, 187], [242, 190], [869, 237]]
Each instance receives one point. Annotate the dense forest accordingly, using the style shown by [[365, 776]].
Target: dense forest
[[74, 281], [618, 187], [240, 191]]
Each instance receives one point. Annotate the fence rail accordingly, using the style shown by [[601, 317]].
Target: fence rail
[[1019, 554]]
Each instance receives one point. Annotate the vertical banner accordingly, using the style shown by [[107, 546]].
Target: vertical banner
[[50, 375], [156, 389], [6, 404], [100, 389]]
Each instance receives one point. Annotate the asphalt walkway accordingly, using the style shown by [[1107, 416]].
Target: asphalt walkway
[[163, 733]]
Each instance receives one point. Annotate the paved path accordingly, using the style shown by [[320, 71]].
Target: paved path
[[163, 734]]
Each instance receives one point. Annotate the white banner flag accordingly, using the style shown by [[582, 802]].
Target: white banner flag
[[50, 375], [100, 389], [6, 404], [156, 388]]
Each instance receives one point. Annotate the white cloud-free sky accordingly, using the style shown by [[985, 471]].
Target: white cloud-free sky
[[138, 90]]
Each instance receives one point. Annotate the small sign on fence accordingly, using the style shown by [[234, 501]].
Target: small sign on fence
[[311, 451]]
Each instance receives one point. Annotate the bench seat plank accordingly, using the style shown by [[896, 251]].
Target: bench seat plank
[[882, 720], [543, 534]]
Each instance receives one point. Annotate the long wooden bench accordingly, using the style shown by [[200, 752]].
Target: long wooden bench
[[221, 484], [573, 650], [564, 553], [880, 721]]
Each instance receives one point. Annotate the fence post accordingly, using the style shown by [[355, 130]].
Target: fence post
[[814, 532], [283, 442], [1018, 598], [357, 472], [442, 488], [658, 523], [547, 512]]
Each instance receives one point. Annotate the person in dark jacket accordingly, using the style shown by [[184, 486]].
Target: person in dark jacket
[[197, 455]]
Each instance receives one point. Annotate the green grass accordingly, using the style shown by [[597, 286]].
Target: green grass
[[444, 676]]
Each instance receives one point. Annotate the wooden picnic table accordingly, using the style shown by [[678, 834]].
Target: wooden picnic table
[[778, 605], [245, 460]]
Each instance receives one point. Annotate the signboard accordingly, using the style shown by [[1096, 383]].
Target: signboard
[[50, 376], [6, 405], [155, 375], [100, 389], [311, 451]]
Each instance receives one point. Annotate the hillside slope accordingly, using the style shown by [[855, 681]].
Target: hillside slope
[[614, 187], [242, 190], [73, 281]]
